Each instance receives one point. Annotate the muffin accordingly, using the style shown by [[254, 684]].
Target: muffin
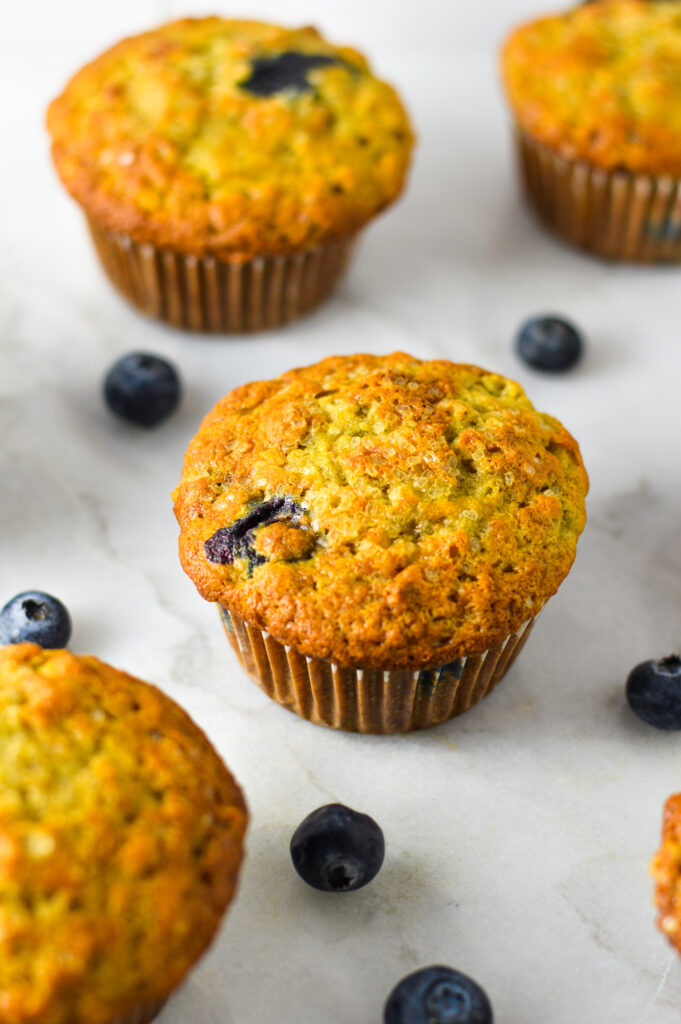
[[120, 841], [226, 167], [596, 97], [380, 533], [666, 870]]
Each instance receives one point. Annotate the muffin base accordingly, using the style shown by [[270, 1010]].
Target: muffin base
[[617, 214], [219, 296], [142, 1014], [368, 700]]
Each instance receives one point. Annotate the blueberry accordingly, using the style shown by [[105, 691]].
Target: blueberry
[[36, 618], [654, 692], [336, 849], [287, 70], [549, 343], [431, 678], [437, 995], [142, 388], [236, 541], [666, 231]]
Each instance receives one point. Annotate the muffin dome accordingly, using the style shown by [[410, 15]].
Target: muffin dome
[[381, 511], [120, 840], [602, 82], [230, 138]]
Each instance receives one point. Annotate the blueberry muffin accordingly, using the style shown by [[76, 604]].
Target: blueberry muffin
[[596, 97], [666, 870], [380, 533], [120, 841], [226, 167]]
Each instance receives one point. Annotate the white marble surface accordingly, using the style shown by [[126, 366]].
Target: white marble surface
[[518, 837]]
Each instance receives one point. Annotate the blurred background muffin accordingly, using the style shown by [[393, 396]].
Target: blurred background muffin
[[380, 533], [121, 836], [226, 167], [666, 870], [596, 97]]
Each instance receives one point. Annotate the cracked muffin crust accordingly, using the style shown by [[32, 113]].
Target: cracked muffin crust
[[666, 870], [381, 512], [120, 840], [602, 82], [229, 138]]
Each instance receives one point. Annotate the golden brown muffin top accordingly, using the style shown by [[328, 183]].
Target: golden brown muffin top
[[381, 511], [120, 840], [666, 870], [602, 82], [232, 138]]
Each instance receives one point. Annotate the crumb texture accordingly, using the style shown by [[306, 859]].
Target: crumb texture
[[120, 840], [602, 82], [230, 138], [381, 511]]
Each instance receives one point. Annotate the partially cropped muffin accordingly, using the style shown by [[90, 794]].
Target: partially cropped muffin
[[226, 167], [380, 533], [666, 870], [121, 837], [596, 96]]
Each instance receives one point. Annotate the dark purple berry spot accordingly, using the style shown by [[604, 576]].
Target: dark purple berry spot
[[430, 679], [287, 70], [237, 541], [669, 230]]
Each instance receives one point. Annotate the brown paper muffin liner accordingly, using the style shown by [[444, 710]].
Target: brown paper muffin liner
[[208, 294], [616, 214], [141, 1014], [368, 700]]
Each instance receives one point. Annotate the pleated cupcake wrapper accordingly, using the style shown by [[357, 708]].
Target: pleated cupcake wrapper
[[141, 1014], [368, 700], [208, 294], [616, 214]]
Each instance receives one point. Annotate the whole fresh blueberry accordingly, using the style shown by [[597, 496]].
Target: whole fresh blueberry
[[142, 388], [437, 995], [34, 617], [654, 692], [549, 343], [336, 849]]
